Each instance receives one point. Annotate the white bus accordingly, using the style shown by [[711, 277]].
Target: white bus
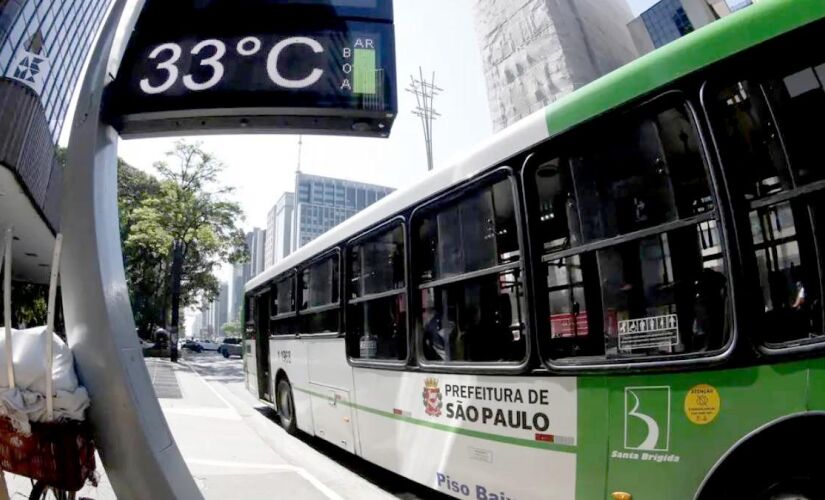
[[618, 297]]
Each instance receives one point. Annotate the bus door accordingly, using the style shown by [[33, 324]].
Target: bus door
[[250, 359], [262, 346]]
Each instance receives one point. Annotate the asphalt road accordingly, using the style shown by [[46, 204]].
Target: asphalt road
[[228, 374]]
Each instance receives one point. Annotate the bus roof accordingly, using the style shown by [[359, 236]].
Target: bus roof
[[712, 43], [719, 40]]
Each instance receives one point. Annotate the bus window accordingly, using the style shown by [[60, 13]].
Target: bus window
[[771, 153], [282, 306], [469, 269], [377, 299], [633, 263], [320, 311], [249, 329]]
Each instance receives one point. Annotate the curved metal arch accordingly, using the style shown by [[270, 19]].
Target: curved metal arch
[[137, 449]]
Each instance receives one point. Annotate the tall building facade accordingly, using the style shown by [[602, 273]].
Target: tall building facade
[[279, 229], [535, 51], [668, 20], [257, 251], [322, 203], [43, 47], [44, 44]]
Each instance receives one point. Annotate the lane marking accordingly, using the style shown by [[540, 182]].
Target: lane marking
[[314, 481], [214, 391], [317, 484], [219, 413]]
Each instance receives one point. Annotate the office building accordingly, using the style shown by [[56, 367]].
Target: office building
[[44, 45], [279, 229], [535, 51], [322, 203], [216, 313], [668, 20], [257, 251], [241, 273]]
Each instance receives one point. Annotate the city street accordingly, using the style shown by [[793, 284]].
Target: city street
[[235, 448]]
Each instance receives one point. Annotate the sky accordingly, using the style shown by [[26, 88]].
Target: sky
[[436, 35], [639, 6]]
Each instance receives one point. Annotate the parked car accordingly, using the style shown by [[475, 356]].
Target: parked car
[[191, 345], [231, 346], [208, 345]]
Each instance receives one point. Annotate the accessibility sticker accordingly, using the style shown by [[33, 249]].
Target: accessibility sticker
[[702, 403]]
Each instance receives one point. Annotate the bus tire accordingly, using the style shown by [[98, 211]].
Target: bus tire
[[780, 462], [286, 406]]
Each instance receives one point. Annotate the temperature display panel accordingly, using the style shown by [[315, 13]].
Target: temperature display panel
[[336, 79]]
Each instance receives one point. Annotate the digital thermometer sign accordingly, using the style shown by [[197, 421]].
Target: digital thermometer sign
[[335, 76]]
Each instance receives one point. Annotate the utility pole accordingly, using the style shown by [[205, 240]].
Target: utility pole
[[177, 268], [424, 92], [300, 146]]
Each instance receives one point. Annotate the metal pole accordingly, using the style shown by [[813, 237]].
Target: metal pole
[[177, 265], [142, 460]]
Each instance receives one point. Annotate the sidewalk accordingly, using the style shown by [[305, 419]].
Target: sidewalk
[[229, 446]]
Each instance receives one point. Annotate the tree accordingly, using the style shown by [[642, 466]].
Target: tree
[[190, 207], [231, 329], [144, 264]]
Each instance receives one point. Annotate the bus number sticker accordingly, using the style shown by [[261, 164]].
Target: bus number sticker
[[702, 404], [655, 332]]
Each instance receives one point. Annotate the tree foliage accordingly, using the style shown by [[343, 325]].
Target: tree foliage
[[231, 329], [187, 204]]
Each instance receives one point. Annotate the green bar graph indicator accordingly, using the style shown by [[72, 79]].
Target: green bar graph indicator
[[364, 71]]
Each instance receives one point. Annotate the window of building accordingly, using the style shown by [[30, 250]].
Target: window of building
[[771, 146], [632, 260], [377, 297], [468, 267], [282, 305], [320, 304]]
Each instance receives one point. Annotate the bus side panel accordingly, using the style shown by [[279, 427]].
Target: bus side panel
[[250, 367], [289, 355], [328, 363], [330, 378], [471, 436], [667, 431]]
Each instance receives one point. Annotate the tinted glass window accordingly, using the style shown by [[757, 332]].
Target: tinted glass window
[[470, 294], [473, 233], [319, 284], [631, 253], [282, 306], [377, 305], [770, 144], [319, 297], [283, 296], [377, 265]]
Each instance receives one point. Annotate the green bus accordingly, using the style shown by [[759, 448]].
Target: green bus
[[617, 297]]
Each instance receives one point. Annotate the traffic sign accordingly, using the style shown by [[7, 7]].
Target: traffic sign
[[226, 71]]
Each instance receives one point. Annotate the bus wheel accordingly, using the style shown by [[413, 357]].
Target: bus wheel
[[793, 489], [286, 406]]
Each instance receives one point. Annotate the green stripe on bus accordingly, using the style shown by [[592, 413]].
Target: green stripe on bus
[[711, 43], [449, 428]]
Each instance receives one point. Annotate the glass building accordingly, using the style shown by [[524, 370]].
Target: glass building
[[666, 21], [44, 44], [324, 202]]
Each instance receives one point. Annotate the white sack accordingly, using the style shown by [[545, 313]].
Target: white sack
[[27, 401]]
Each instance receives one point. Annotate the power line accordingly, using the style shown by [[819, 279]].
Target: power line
[[424, 92]]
